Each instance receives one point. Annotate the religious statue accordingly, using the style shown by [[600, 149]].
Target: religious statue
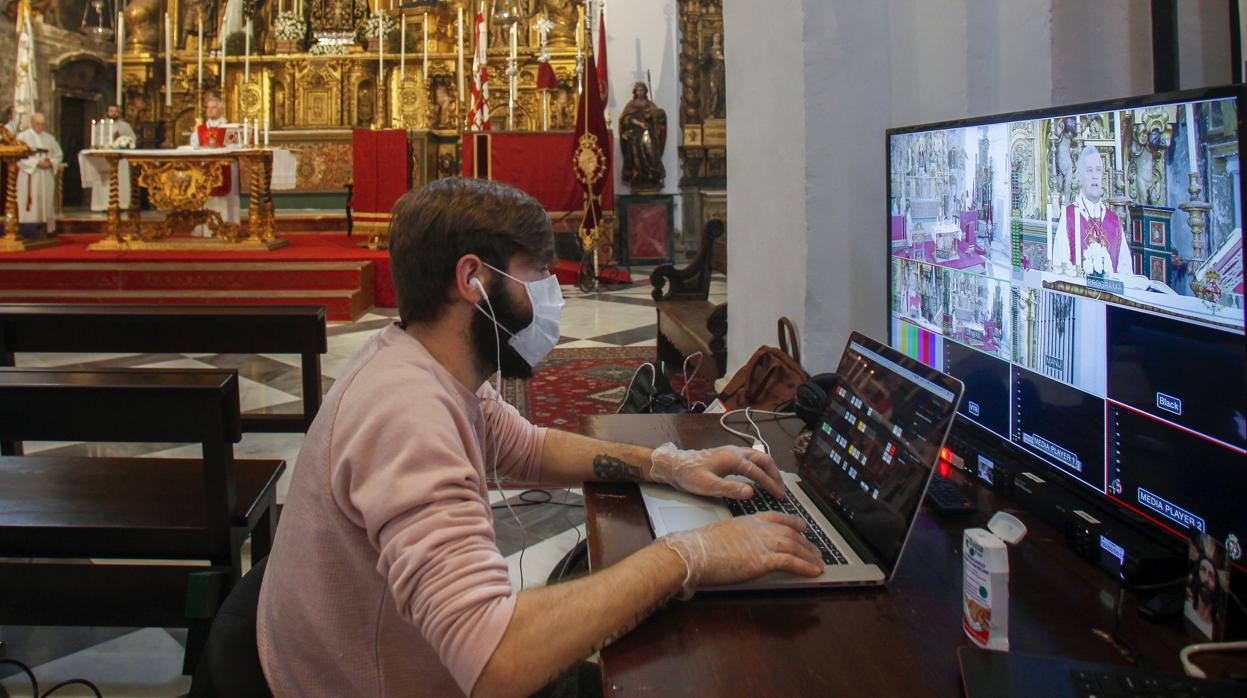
[[716, 79], [562, 108], [1147, 166], [1064, 132], [445, 106], [643, 138], [363, 105], [506, 13], [564, 15]]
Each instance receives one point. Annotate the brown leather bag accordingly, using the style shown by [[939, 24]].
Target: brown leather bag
[[769, 380]]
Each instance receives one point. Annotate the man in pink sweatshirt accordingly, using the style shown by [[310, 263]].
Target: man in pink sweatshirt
[[385, 578]]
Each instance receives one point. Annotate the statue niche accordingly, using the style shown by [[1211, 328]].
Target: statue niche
[[643, 138], [715, 66], [564, 14]]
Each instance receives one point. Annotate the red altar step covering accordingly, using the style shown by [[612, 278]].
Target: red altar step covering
[[539, 163], [318, 269]]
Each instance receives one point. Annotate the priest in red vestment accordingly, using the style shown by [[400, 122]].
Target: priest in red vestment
[[1089, 237], [211, 134]]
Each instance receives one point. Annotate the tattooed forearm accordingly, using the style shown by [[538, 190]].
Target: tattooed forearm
[[636, 620], [606, 467]]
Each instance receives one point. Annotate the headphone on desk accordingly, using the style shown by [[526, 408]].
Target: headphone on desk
[[812, 396]]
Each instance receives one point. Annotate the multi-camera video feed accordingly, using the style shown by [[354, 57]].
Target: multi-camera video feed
[[986, 397], [1062, 425], [1091, 263], [1179, 372], [1172, 475]]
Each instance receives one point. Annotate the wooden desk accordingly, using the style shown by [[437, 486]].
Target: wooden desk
[[893, 642]]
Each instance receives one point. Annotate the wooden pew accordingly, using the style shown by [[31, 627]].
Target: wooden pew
[[687, 321], [180, 329], [74, 508]]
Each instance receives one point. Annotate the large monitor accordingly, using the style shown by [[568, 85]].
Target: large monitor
[[1081, 271]]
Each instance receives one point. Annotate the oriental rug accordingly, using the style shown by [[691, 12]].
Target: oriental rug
[[573, 382]]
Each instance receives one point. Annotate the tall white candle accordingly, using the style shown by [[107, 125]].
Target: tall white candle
[[426, 46], [245, 124], [199, 84], [94, 130], [459, 45], [1192, 148], [266, 131], [380, 66], [1118, 155], [512, 70], [168, 62], [402, 48], [121, 44], [222, 65], [246, 66]]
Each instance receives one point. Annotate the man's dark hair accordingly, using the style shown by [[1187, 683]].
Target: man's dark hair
[[433, 227]]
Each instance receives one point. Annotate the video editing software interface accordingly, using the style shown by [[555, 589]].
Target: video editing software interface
[[873, 453], [1095, 318]]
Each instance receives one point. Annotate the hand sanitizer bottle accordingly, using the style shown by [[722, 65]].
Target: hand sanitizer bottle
[[985, 595]]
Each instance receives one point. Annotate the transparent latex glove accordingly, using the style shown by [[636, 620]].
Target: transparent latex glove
[[744, 548], [705, 472]]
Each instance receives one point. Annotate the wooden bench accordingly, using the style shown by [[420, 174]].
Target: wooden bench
[[64, 510], [180, 329], [687, 321]]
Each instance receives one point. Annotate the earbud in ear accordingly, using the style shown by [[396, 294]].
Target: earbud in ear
[[477, 282]]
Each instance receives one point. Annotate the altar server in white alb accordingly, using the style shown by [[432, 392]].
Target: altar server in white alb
[[118, 129], [36, 178], [226, 202]]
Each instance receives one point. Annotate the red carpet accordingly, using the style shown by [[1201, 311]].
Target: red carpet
[[328, 269], [572, 382]]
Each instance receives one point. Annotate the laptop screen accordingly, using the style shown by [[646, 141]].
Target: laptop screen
[[879, 438]]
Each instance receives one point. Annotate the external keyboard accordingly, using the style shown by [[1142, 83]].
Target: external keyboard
[[1124, 683], [947, 497], [765, 501]]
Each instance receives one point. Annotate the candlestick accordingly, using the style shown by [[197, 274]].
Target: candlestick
[[246, 66], [121, 44], [459, 46], [1192, 148], [402, 49], [426, 46], [199, 85], [1118, 155], [168, 62]]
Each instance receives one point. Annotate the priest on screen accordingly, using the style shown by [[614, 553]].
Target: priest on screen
[[36, 179], [210, 134], [119, 129]]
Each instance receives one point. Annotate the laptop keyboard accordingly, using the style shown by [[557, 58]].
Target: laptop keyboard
[[765, 501], [1126, 683]]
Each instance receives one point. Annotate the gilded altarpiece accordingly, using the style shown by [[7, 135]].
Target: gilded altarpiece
[[703, 117], [312, 101]]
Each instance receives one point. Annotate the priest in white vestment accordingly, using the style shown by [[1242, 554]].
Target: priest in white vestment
[[36, 178], [228, 205], [99, 194]]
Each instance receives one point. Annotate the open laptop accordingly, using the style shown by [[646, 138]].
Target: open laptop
[[863, 476]]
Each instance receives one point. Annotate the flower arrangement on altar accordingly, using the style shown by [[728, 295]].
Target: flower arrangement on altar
[[123, 143], [366, 30], [1095, 260], [328, 50], [289, 27]]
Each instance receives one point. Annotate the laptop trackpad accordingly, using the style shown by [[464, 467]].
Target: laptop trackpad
[[686, 518]]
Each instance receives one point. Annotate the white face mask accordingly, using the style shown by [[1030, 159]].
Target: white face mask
[[534, 342]]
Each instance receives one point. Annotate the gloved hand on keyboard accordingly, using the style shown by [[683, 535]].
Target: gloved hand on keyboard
[[744, 548], [704, 472]]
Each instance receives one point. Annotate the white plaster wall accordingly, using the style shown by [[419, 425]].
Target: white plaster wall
[[641, 35], [1100, 50], [766, 171], [1204, 43]]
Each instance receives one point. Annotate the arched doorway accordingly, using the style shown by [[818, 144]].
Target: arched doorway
[[80, 85]]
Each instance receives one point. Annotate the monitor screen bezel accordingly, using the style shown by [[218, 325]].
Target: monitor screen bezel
[[1238, 92]]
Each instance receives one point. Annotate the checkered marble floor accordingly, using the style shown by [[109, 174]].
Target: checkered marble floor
[[147, 662]]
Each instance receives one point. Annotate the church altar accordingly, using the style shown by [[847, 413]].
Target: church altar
[[538, 163], [179, 181]]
